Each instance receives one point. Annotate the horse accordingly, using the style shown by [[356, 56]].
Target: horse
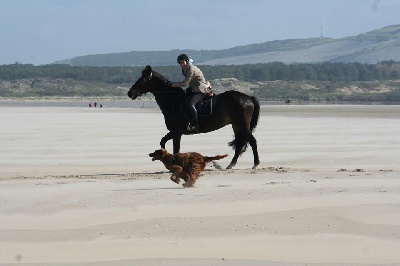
[[230, 107]]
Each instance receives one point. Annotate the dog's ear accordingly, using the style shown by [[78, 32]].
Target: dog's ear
[[163, 151]]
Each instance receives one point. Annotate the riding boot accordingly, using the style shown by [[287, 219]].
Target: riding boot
[[194, 125]]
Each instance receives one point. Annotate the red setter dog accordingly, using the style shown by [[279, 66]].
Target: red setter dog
[[184, 165]]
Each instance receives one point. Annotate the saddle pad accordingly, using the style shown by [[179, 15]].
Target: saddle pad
[[205, 109]]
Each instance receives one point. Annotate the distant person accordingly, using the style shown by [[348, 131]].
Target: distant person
[[197, 84], [101, 106], [90, 104], [95, 104]]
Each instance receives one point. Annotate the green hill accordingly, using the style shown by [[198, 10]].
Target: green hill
[[371, 47]]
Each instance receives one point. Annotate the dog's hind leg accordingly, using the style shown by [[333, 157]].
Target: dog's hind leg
[[185, 176], [189, 183], [193, 178]]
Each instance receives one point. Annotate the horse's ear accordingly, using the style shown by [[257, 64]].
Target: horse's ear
[[147, 71]]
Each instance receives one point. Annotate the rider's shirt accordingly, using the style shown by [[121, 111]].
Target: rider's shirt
[[193, 78]]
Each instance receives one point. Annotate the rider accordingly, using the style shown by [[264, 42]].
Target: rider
[[197, 84]]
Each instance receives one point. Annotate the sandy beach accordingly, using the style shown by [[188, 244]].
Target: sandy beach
[[77, 188]]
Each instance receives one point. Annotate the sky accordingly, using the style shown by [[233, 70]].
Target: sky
[[44, 31]]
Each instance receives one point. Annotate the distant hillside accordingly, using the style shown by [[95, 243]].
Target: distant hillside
[[371, 47], [324, 82]]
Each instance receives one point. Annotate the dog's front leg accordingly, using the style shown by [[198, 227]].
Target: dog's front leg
[[175, 179], [176, 170]]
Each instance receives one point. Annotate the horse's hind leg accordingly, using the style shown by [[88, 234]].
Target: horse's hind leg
[[253, 145], [238, 143]]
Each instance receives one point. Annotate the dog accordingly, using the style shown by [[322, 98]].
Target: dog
[[186, 166]]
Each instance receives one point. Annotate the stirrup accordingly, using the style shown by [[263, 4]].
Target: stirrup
[[193, 128]]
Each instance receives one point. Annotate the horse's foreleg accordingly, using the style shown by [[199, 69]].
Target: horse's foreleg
[[177, 143], [165, 139], [176, 140]]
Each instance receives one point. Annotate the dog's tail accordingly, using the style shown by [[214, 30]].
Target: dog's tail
[[208, 159]]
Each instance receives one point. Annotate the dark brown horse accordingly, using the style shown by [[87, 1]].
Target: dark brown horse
[[230, 107]]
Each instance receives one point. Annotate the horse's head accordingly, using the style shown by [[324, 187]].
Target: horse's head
[[142, 85]]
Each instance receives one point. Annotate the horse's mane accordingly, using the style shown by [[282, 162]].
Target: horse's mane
[[159, 76], [164, 80]]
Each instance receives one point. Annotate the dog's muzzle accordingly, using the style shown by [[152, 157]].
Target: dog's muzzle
[[152, 155]]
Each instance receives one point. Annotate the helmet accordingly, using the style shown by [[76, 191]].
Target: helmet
[[182, 57]]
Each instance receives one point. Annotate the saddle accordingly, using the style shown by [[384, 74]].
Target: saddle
[[204, 106]]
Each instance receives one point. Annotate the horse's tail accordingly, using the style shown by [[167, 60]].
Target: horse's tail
[[214, 158], [256, 114]]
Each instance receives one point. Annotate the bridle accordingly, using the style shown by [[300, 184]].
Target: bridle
[[149, 77], [145, 80]]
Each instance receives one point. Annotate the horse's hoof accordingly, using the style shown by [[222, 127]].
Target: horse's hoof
[[231, 166], [255, 166]]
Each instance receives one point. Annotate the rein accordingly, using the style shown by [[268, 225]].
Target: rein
[[160, 92], [177, 100], [154, 92]]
